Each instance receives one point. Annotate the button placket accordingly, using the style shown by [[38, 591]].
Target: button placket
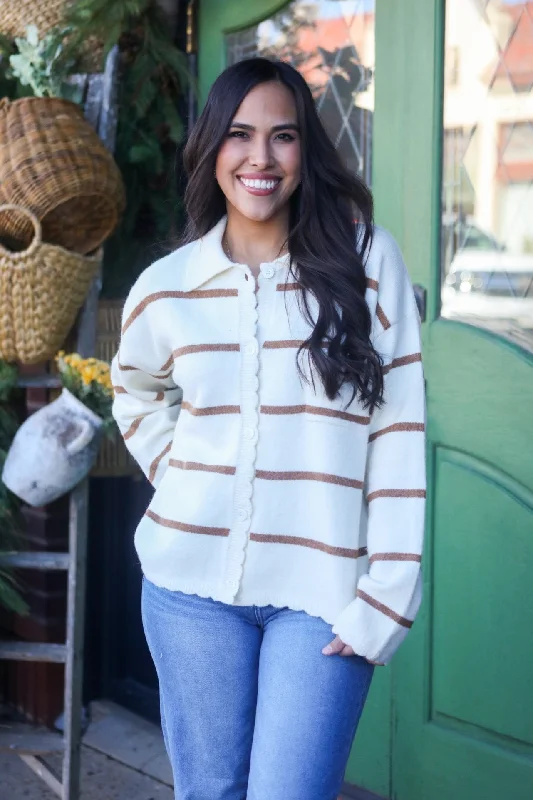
[[245, 468]]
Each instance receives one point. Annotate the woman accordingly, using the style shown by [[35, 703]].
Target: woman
[[270, 385]]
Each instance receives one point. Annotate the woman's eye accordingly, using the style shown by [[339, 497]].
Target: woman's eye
[[285, 137], [237, 134]]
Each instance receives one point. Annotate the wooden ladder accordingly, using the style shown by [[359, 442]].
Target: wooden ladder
[[26, 741]]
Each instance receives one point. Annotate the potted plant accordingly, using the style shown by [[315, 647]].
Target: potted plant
[[56, 447]]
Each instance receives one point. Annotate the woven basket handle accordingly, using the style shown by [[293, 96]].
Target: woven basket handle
[[38, 234]]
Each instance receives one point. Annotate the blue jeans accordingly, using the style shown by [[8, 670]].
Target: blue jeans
[[250, 708]]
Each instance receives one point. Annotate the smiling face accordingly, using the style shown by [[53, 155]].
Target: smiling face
[[258, 164]]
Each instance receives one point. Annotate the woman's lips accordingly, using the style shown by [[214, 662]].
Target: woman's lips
[[259, 186]]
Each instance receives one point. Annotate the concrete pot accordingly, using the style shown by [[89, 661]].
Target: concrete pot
[[53, 450]]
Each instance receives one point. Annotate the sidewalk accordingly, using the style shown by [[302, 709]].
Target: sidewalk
[[123, 758]]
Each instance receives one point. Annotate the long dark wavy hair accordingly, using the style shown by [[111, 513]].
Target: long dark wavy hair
[[330, 227]]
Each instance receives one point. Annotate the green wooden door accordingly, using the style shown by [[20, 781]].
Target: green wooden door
[[452, 718], [450, 83]]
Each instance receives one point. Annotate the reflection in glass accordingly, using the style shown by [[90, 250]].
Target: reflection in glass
[[331, 42], [487, 220]]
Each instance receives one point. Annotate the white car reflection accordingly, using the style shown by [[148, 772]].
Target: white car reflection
[[490, 285]]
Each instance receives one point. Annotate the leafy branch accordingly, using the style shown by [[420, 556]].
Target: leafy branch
[[45, 64], [150, 127]]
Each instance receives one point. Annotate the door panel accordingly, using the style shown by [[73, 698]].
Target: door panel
[[482, 533]]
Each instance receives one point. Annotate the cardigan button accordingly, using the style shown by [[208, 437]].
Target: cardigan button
[[250, 349], [249, 433], [268, 272], [242, 514]]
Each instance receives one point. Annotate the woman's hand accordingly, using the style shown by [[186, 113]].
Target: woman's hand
[[337, 647]]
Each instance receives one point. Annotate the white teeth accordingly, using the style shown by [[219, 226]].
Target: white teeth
[[259, 184]]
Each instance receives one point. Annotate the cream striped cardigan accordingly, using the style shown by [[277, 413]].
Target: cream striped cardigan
[[267, 492]]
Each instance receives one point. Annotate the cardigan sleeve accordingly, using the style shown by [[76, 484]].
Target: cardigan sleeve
[[389, 594], [147, 401]]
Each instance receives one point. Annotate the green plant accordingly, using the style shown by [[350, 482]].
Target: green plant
[[10, 520], [45, 64], [150, 128]]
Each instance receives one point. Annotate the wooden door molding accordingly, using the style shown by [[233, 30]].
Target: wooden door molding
[[216, 19]]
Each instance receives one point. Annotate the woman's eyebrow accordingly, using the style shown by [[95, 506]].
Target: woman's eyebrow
[[287, 126]]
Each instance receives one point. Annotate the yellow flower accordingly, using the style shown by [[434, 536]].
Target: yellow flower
[[87, 370]]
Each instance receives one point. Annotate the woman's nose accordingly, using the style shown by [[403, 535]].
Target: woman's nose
[[261, 154]]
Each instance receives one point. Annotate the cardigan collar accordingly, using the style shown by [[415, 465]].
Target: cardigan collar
[[208, 259]]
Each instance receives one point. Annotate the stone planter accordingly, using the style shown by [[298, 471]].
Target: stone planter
[[52, 451]]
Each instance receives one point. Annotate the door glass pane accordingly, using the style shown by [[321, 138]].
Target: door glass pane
[[331, 42], [487, 220]]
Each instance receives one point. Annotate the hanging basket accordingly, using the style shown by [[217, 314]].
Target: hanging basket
[[42, 288], [53, 163], [16, 15]]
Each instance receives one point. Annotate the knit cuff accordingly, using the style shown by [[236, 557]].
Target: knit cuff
[[368, 632]]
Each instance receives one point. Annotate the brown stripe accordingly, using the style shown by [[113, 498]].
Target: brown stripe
[[398, 426], [160, 396], [195, 465], [205, 348], [279, 344], [283, 343], [401, 362], [119, 390], [318, 410], [344, 552], [133, 427], [198, 294], [372, 284], [128, 368], [395, 557], [407, 623], [168, 363], [210, 410], [288, 287], [155, 463], [309, 476], [380, 314], [396, 493], [181, 526]]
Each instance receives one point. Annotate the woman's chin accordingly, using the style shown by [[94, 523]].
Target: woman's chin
[[258, 212]]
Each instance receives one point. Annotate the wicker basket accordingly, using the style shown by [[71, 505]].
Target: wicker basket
[[16, 15], [113, 458], [53, 163], [41, 290]]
